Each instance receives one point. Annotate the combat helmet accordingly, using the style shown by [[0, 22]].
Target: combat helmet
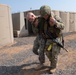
[[45, 10]]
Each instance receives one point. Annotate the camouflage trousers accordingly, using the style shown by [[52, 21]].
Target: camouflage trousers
[[38, 48], [53, 53]]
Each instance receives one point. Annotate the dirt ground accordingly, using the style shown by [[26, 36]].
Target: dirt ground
[[18, 58]]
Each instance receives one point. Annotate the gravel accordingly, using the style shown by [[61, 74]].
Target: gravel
[[18, 58]]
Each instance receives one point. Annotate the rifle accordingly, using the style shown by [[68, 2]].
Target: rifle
[[56, 41]]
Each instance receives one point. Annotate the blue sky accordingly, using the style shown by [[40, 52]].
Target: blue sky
[[25, 5]]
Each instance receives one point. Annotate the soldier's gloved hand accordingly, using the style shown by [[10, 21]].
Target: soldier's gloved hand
[[52, 21]]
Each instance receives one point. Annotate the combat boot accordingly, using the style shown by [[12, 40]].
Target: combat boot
[[53, 70], [39, 67]]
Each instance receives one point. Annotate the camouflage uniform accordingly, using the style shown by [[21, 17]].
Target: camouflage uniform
[[52, 54], [56, 31], [39, 43]]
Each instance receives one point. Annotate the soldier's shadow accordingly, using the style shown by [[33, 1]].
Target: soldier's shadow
[[18, 70]]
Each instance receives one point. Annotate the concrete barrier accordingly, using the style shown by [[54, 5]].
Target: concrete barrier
[[6, 29]]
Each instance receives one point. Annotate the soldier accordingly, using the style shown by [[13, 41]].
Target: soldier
[[39, 42], [33, 20], [54, 25]]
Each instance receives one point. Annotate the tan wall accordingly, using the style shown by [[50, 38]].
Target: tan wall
[[65, 18], [19, 24], [72, 22], [6, 29], [23, 30], [16, 21], [68, 18]]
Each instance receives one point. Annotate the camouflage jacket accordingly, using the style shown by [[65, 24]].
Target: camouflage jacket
[[56, 30], [43, 26], [34, 28]]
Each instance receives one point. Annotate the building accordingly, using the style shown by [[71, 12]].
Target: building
[[21, 27]]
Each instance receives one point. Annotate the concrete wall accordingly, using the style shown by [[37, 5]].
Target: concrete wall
[[72, 21], [23, 30], [68, 18], [16, 21], [19, 25], [65, 18], [6, 29]]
